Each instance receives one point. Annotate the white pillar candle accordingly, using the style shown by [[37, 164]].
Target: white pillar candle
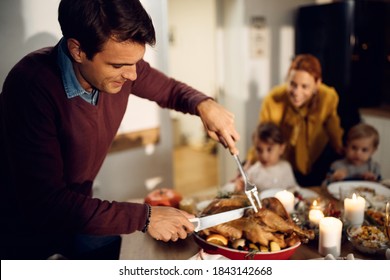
[[330, 236], [354, 210], [315, 215], [287, 199]]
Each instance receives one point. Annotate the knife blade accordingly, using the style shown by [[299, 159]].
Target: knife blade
[[216, 219]]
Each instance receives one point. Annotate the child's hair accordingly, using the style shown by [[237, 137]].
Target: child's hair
[[269, 132], [363, 130]]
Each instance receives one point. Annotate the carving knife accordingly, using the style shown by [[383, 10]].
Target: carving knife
[[216, 219]]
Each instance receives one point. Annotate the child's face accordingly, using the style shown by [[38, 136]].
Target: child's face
[[359, 151], [269, 153]]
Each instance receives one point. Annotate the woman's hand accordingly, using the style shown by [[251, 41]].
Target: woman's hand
[[168, 223], [219, 124]]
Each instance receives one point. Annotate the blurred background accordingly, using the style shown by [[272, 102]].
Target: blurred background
[[233, 51]]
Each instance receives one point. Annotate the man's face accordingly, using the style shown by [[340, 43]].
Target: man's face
[[111, 68], [301, 87]]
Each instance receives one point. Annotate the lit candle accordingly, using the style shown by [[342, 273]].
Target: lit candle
[[315, 205], [287, 199], [354, 209], [330, 236], [315, 215]]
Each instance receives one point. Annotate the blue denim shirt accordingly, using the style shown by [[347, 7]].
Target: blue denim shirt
[[71, 84]]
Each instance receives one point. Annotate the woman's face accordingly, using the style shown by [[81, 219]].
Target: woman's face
[[301, 87]]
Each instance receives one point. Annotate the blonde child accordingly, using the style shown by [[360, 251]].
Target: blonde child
[[361, 143], [270, 170]]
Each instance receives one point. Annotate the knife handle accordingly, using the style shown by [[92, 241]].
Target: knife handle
[[196, 223]]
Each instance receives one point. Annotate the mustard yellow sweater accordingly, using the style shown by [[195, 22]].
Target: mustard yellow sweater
[[307, 130]]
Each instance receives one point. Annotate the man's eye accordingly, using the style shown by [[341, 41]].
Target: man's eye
[[117, 66]]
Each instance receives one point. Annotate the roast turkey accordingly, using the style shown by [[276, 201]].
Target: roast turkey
[[270, 223]]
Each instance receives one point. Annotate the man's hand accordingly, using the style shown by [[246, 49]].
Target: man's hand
[[219, 124], [168, 223]]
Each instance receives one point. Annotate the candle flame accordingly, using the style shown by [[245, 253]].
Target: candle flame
[[315, 202], [354, 197]]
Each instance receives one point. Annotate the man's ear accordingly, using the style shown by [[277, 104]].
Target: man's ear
[[75, 50]]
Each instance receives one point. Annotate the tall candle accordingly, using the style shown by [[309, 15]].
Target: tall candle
[[287, 199], [330, 236], [315, 215], [354, 209]]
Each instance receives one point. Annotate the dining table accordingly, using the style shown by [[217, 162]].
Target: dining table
[[141, 246]]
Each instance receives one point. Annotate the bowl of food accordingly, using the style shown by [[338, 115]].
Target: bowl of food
[[368, 239], [246, 251], [268, 234]]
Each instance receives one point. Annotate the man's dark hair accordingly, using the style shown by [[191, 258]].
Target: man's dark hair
[[94, 22]]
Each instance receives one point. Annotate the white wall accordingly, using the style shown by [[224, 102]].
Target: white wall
[[26, 25], [382, 155], [192, 55]]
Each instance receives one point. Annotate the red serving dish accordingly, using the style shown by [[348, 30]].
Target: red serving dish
[[234, 254]]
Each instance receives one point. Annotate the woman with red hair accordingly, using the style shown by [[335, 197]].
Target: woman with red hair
[[306, 111]]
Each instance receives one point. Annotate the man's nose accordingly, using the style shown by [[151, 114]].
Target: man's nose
[[130, 74]]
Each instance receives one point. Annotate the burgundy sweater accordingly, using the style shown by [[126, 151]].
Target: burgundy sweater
[[52, 148]]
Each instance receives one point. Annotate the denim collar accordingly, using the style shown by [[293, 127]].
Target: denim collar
[[71, 84]]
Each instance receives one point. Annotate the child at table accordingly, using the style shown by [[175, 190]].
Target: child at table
[[270, 170], [361, 143]]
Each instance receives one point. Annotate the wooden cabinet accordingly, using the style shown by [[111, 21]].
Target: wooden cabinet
[[380, 119]]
